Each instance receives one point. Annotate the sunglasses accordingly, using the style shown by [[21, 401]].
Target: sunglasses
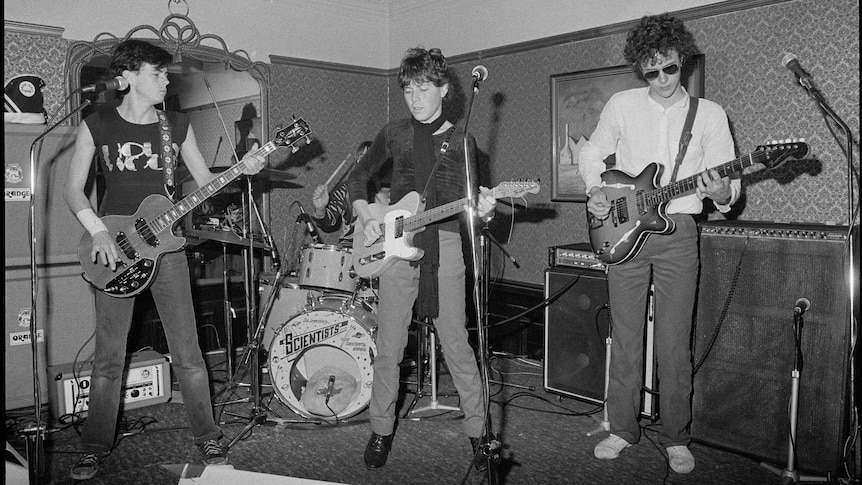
[[670, 70]]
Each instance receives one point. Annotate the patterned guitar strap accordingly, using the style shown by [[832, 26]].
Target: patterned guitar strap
[[685, 137], [167, 150]]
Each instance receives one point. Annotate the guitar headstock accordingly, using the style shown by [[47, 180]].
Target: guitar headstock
[[287, 137], [779, 151], [516, 189]]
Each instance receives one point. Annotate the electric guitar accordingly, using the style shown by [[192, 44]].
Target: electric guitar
[[638, 204], [402, 220], [145, 236]]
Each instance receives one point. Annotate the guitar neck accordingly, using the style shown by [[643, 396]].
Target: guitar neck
[[689, 184], [167, 219]]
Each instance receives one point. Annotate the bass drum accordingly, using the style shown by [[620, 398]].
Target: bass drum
[[320, 361]]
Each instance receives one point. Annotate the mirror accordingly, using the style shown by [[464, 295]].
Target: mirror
[[225, 93]]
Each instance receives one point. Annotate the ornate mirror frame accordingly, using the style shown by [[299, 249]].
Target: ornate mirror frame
[[178, 35]]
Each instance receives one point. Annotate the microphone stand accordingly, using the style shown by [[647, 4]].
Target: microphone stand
[[852, 228], [490, 448], [790, 474], [35, 438]]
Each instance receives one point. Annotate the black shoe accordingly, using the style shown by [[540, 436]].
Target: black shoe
[[214, 453], [88, 466], [480, 460], [377, 450]]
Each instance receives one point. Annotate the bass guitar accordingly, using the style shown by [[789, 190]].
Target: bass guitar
[[144, 237], [402, 220], [638, 204]]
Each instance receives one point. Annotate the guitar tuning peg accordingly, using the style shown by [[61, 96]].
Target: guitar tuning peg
[[294, 149], [307, 139]]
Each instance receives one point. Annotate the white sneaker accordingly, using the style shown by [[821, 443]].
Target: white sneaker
[[610, 447], [681, 460]]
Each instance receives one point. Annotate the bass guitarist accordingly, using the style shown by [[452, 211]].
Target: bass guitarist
[[640, 126], [134, 143]]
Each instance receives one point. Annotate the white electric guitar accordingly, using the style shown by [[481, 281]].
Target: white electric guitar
[[402, 220]]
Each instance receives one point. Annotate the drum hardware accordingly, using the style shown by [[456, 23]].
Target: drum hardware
[[427, 350]]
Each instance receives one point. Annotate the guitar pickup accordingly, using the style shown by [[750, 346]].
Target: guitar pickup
[[620, 211]]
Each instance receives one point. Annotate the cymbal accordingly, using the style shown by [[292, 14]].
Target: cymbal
[[267, 175], [226, 237]]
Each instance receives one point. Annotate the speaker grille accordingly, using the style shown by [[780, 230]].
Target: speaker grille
[[753, 274]]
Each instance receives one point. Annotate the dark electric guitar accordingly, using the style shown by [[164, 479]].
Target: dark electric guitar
[[638, 204], [401, 221], [145, 236]]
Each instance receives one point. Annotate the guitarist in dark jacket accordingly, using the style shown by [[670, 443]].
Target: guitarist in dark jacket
[[436, 282], [640, 126], [127, 142]]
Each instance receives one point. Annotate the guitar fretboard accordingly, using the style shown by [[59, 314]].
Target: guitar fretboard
[[663, 194], [166, 220]]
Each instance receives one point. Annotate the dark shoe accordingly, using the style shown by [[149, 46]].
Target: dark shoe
[[480, 460], [377, 450], [214, 452], [88, 466]]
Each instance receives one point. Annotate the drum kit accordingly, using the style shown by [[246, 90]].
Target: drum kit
[[315, 329]]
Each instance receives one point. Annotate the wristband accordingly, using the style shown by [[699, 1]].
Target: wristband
[[91, 221]]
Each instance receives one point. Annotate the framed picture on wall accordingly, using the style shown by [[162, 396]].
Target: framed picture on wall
[[247, 133], [577, 99]]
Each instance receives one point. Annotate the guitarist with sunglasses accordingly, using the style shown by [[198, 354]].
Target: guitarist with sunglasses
[[640, 126], [127, 141]]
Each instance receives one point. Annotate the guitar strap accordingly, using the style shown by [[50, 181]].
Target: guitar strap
[[685, 137], [167, 150], [444, 147]]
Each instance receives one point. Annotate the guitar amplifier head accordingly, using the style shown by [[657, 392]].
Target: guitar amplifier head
[[578, 255]]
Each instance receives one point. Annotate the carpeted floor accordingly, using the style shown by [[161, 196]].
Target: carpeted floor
[[544, 441]]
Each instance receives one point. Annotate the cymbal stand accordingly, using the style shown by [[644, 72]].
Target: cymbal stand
[[605, 423], [790, 474], [251, 354], [427, 346]]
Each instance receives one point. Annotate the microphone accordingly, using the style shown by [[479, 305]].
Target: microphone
[[480, 73], [119, 83], [802, 305], [330, 388], [304, 217], [792, 63]]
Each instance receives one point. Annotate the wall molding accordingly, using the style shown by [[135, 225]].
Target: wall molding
[[330, 66], [35, 29]]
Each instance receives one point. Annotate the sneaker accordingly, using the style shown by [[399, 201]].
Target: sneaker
[[88, 466], [681, 460], [214, 453], [610, 447]]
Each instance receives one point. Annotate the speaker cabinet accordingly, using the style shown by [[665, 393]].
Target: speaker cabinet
[[752, 275], [576, 331]]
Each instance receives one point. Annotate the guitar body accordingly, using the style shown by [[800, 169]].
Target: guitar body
[[396, 242], [621, 235], [140, 250]]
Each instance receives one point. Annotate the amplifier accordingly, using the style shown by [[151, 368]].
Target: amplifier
[[578, 255], [147, 382]]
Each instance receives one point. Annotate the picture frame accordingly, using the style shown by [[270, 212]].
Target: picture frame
[[247, 132], [577, 99]]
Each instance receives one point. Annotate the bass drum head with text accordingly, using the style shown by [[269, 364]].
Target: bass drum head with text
[[328, 351]]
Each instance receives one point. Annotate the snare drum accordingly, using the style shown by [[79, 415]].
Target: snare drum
[[291, 299], [327, 267], [320, 361]]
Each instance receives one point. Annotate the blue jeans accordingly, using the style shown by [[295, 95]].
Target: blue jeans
[[172, 294], [672, 262], [399, 287]]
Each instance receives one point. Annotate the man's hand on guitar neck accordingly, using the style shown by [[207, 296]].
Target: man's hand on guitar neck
[[711, 184], [598, 203]]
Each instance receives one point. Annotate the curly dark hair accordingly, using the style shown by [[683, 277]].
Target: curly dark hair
[[131, 53], [422, 65], [658, 34]]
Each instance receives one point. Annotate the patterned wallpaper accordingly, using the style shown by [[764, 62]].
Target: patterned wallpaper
[[511, 118]]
